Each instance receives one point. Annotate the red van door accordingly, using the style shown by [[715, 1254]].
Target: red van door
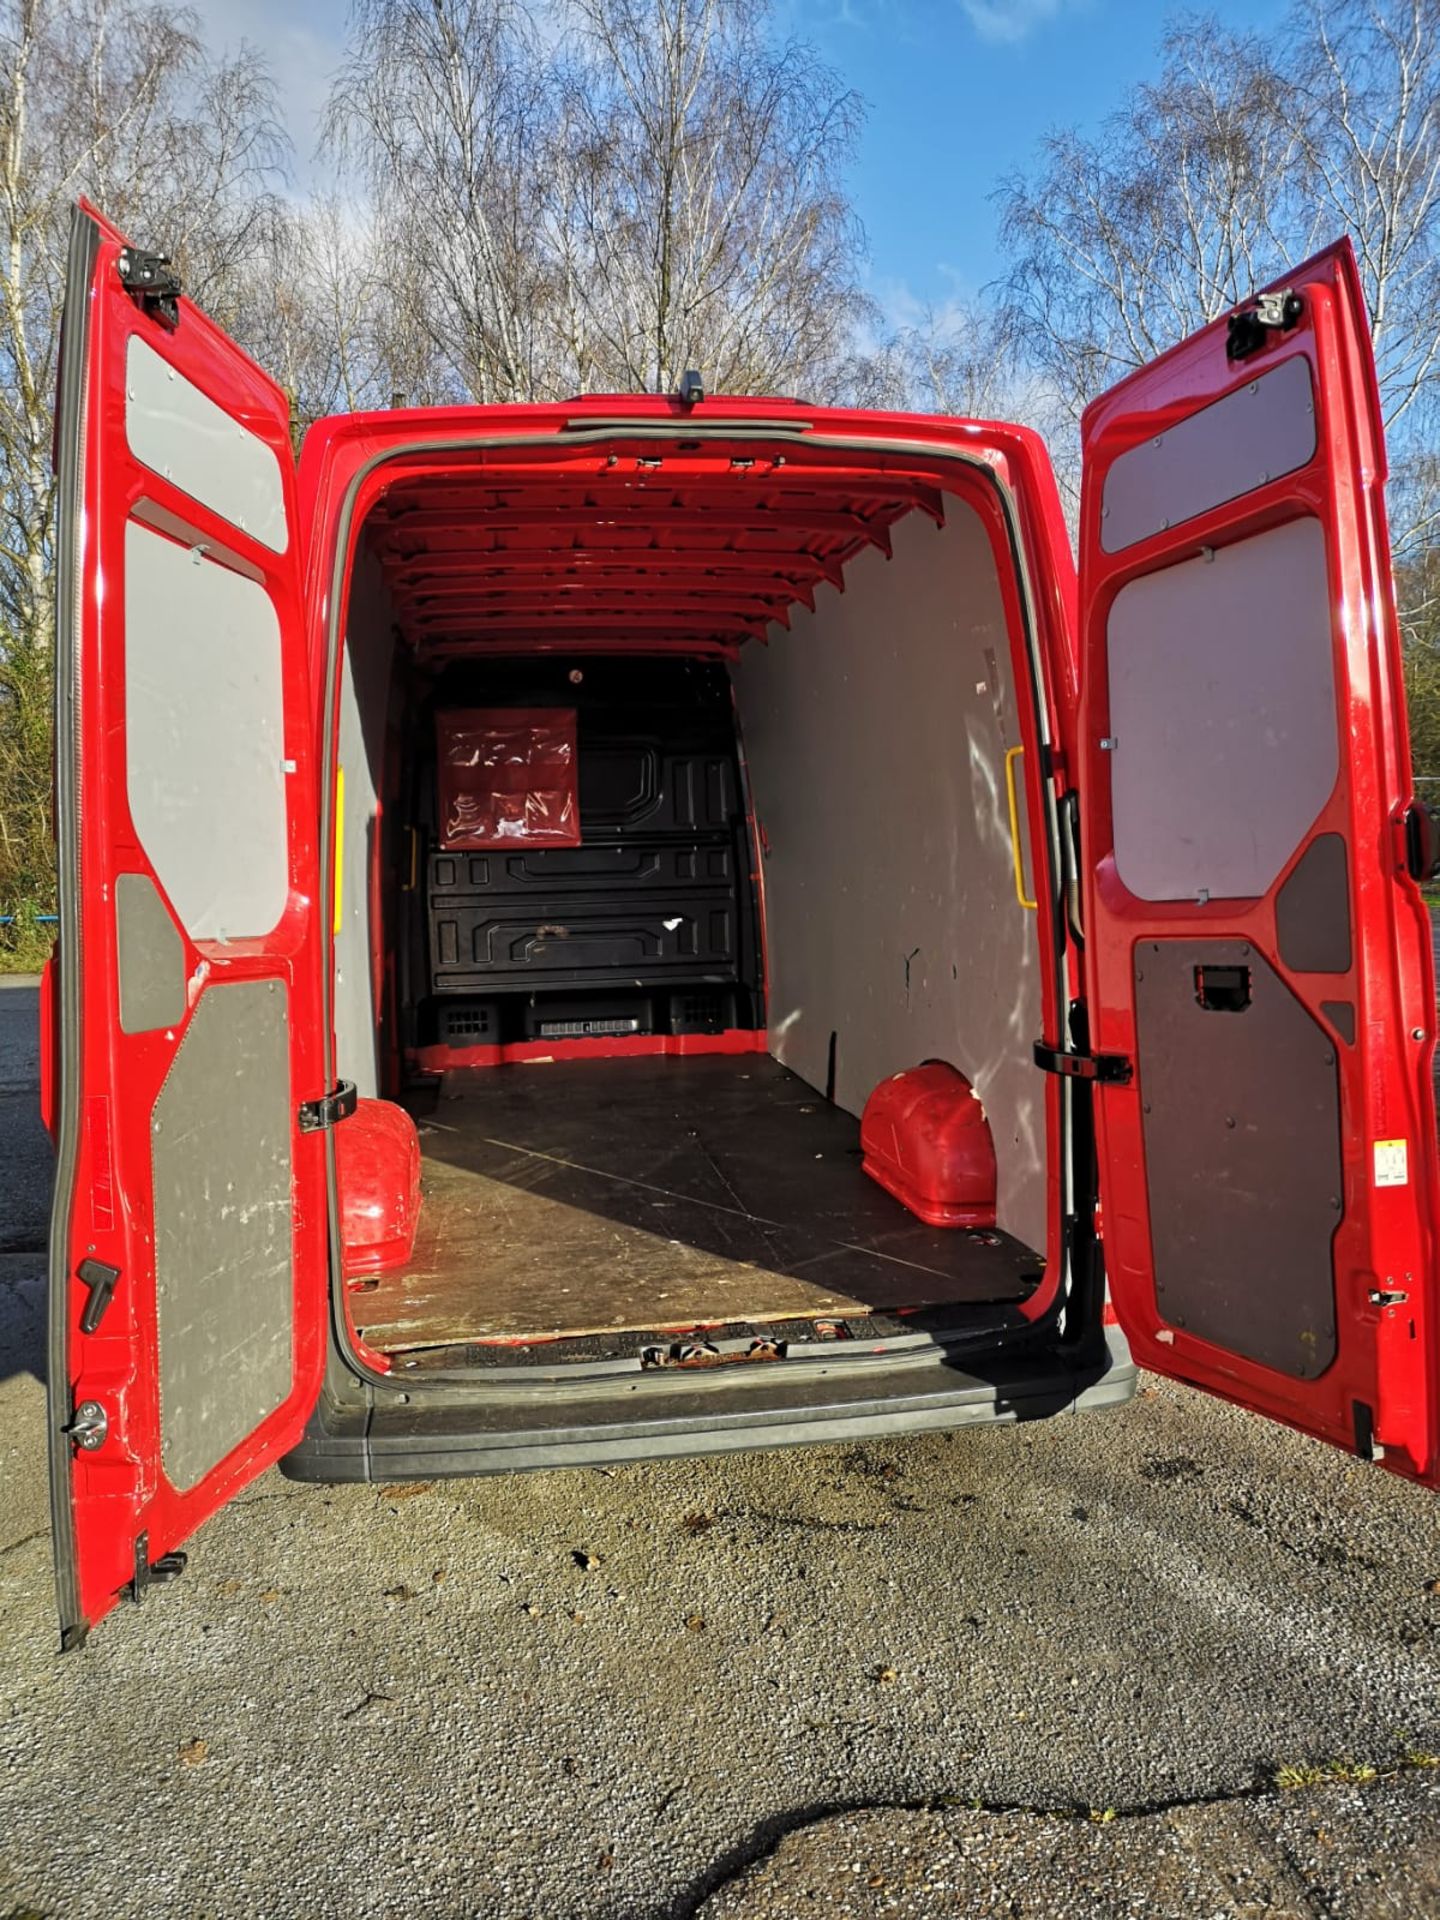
[[188, 1241], [1258, 959]]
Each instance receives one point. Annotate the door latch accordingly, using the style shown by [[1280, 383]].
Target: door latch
[[338, 1105], [1253, 326], [1110, 1069], [154, 283], [88, 1426]]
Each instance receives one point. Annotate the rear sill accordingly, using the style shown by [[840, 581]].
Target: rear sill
[[396, 1437]]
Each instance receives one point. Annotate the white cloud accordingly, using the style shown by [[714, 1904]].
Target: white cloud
[[1008, 21]]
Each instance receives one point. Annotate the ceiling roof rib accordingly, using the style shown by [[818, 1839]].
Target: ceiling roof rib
[[625, 557]]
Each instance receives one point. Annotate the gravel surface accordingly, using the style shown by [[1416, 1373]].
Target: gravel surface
[[1341, 1852], [743, 1686]]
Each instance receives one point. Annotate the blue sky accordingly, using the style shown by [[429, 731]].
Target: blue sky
[[958, 93]]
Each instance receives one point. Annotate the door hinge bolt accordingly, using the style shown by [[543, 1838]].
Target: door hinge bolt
[[1109, 743], [158, 1573], [153, 282], [1254, 325]]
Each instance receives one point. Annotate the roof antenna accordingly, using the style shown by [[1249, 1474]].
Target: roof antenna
[[692, 388]]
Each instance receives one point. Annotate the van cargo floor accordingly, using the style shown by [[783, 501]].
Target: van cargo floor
[[603, 1196]]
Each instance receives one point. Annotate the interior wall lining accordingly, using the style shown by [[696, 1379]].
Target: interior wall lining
[[875, 734], [366, 680]]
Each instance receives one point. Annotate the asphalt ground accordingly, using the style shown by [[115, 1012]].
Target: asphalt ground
[[1168, 1660]]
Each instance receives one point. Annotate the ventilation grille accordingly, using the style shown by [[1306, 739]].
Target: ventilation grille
[[701, 1012], [585, 1029], [469, 1021]]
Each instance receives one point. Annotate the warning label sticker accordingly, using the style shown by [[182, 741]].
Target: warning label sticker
[[1391, 1164]]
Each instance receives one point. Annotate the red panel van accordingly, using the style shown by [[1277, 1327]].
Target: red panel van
[[503, 855]]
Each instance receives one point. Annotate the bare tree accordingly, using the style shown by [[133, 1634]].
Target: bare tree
[[719, 232], [605, 193], [444, 110], [117, 100], [332, 329], [957, 361], [1366, 88], [1243, 156], [1121, 244]]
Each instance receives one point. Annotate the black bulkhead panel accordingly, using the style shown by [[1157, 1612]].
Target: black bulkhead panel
[[658, 895]]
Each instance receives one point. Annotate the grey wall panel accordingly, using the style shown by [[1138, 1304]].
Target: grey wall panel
[[876, 732], [205, 737], [365, 682], [1262, 430], [224, 1266], [151, 957], [1222, 712]]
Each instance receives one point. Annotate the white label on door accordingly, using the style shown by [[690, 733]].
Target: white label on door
[[1392, 1167]]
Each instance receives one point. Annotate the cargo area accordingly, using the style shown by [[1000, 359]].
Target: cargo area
[[675, 819]]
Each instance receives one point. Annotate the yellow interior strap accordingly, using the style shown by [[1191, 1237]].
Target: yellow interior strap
[[1010, 758], [340, 840]]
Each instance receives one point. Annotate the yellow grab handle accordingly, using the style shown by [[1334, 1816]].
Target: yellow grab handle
[[1011, 757], [340, 848]]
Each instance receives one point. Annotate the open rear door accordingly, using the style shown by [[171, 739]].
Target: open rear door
[[1258, 960], [187, 1264]]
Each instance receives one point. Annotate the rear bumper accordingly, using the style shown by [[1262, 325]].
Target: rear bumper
[[363, 1432]]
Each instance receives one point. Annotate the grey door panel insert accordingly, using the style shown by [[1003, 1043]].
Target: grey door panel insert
[[1312, 910], [1252, 436], [151, 957], [1241, 1122], [224, 1235]]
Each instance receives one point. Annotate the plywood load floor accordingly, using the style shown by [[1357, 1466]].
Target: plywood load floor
[[590, 1197]]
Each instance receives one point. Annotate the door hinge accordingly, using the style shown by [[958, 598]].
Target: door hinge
[[338, 1105], [159, 1573], [1252, 327], [88, 1426], [100, 1279], [154, 283], [1110, 1069]]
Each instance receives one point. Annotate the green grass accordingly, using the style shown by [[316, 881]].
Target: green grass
[[25, 945]]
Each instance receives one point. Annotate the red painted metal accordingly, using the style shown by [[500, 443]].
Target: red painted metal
[[119, 1491], [925, 1139], [1389, 1353], [619, 1046], [377, 1166]]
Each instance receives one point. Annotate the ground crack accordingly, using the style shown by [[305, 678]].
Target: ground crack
[[765, 1841]]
